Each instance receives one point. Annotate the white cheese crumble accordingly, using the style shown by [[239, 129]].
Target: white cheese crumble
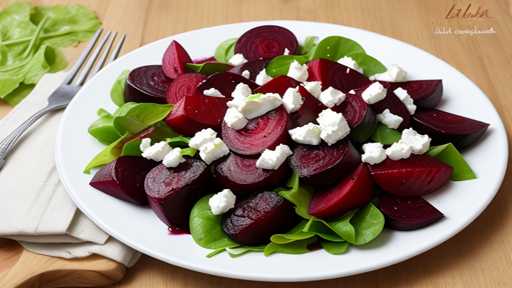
[[241, 91], [212, 92], [394, 73], [389, 119], [222, 202], [259, 104], [308, 134], [237, 59], [246, 74], [331, 97], [398, 150], [202, 137], [406, 99], [313, 87], [419, 143], [351, 63], [286, 51], [173, 158], [234, 119], [298, 71], [262, 78], [213, 150], [333, 126], [292, 100], [157, 151], [374, 153], [145, 143], [273, 159], [353, 92], [374, 93]]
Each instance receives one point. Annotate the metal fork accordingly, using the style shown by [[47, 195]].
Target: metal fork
[[92, 59]]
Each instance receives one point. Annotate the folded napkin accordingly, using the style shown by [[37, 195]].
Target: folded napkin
[[34, 207]]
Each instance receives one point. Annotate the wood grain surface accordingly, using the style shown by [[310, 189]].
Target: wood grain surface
[[479, 256]]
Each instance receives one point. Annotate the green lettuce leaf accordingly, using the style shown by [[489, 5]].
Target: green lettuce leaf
[[449, 155], [225, 50], [117, 90], [135, 117], [298, 195], [308, 46], [103, 128], [108, 154], [368, 223], [335, 248], [296, 247], [385, 135], [241, 250]]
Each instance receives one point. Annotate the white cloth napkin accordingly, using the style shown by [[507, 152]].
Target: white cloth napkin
[[34, 207]]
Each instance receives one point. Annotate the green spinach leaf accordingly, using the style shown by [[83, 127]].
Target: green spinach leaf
[[368, 223], [103, 129], [335, 248], [279, 65], [108, 154], [117, 90], [225, 50], [449, 155], [298, 195], [241, 250], [135, 117], [295, 234], [308, 46], [335, 47], [370, 65], [385, 135], [295, 247]]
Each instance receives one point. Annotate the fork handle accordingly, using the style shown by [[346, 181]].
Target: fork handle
[[9, 142]]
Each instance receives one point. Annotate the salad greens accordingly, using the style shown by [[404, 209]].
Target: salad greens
[[117, 91], [103, 128], [308, 46], [30, 38], [334, 248], [134, 117], [370, 65], [385, 135], [335, 47], [208, 68], [448, 154], [108, 154], [225, 50], [280, 64]]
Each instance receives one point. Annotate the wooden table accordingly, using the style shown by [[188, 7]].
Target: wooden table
[[479, 256]]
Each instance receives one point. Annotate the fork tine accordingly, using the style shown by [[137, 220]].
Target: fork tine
[[76, 67], [90, 62], [117, 50], [103, 57]]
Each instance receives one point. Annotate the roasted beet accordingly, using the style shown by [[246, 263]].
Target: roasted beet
[[254, 67], [336, 75], [278, 85], [123, 178], [266, 42], [354, 191], [395, 106], [415, 176], [184, 85], [360, 117], [254, 220], [408, 213], [446, 127], [180, 122], [425, 93], [174, 60], [324, 165], [241, 175], [173, 191], [205, 110], [225, 82], [146, 84], [264, 132]]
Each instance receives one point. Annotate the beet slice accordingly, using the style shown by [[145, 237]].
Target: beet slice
[[174, 60], [352, 192], [254, 67], [425, 93], [204, 60], [278, 85], [146, 84], [265, 132], [336, 75], [183, 86], [408, 213], [395, 106], [360, 117], [415, 176], [324, 165], [266, 42], [241, 175], [446, 127], [180, 122], [123, 179], [205, 110], [225, 82], [254, 220], [173, 191]]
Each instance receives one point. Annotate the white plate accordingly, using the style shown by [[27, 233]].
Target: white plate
[[139, 228]]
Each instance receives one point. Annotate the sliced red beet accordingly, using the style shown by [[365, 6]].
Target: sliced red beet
[[265, 132], [183, 86], [278, 85], [225, 82], [395, 106], [182, 123], [415, 176], [360, 117], [324, 165], [241, 175], [336, 75], [123, 178], [446, 127], [208, 111], [173, 191], [254, 220], [408, 213], [174, 60], [204, 60], [425, 93], [354, 191], [254, 67], [266, 42], [146, 84]]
